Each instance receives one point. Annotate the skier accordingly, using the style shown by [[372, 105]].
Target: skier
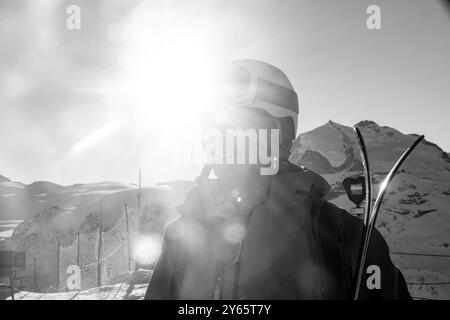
[[245, 235]]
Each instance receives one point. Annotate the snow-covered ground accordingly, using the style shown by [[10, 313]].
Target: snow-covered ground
[[119, 291], [130, 286]]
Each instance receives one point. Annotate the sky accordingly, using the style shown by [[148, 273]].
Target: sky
[[96, 103]]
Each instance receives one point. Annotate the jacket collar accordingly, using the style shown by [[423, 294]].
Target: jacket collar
[[287, 189], [288, 186]]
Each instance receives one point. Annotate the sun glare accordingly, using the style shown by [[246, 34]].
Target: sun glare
[[160, 88], [166, 71], [95, 137]]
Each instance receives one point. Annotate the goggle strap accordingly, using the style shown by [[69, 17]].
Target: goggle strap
[[270, 92]]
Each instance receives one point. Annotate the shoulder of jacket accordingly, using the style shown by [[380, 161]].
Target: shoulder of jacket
[[303, 180], [176, 229], [350, 226]]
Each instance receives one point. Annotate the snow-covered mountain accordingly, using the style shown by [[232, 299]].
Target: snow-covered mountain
[[21, 201], [415, 216], [332, 148]]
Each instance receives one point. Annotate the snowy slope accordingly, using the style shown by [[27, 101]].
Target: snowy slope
[[7, 227], [120, 291], [39, 234], [131, 286], [21, 201]]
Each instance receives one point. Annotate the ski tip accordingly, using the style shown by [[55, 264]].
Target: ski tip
[[419, 139]]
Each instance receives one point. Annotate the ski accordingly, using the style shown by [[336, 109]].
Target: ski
[[368, 182], [371, 214], [367, 173]]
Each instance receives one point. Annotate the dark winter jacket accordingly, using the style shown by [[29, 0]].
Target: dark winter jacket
[[297, 246]]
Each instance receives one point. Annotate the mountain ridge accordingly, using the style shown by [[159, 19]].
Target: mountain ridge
[[415, 215], [337, 144]]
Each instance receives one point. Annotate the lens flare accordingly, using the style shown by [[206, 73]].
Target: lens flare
[[234, 233], [146, 250]]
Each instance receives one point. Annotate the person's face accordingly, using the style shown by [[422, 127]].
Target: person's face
[[238, 132]]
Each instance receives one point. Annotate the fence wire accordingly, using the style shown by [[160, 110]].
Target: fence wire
[[48, 273]]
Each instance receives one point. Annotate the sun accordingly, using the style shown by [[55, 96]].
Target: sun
[[166, 72], [159, 90]]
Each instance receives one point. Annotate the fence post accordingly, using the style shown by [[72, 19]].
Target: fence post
[[57, 266], [99, 253], [34, 274], [11, 287], [128, 237], [99, 258], [78, 249]]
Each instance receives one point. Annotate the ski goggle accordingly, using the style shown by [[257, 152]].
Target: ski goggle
[[248, 118], [237, 85]]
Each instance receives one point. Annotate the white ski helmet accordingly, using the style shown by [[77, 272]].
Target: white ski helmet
[[257, 84]]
